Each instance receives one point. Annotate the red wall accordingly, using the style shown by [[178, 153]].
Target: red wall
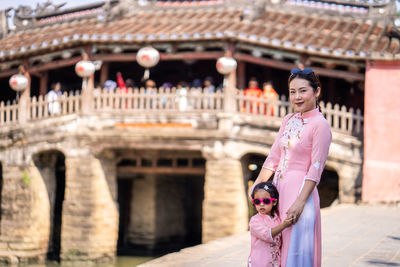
[[381, 171]]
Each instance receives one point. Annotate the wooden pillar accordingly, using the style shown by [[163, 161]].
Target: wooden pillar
[[104, 73], [44, 79], [24, 101], [241, 75]]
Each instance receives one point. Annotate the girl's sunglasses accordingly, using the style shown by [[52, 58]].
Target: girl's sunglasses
[[266, 201]]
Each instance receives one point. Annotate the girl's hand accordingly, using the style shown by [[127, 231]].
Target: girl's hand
[[287, 222], [295, 210]]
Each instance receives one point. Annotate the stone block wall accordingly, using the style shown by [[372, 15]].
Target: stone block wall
[[170, 210], [25, 221], [225, 210], [142, 228], [90, 215]]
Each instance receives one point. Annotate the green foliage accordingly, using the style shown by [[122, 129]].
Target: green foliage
[[25, 178]]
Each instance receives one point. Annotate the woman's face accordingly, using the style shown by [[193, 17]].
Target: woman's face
[[302, 96]]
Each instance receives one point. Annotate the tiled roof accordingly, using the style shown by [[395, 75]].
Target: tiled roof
[[328, 35]]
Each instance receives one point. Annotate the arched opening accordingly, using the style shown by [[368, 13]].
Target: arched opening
[[328, 187], [160, 202], [51, 165], [251, 166]]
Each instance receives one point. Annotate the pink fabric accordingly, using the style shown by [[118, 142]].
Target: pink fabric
[[299, 153], [265, 250]]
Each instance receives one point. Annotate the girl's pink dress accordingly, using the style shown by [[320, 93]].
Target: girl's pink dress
[[298, 154], [265, 250]]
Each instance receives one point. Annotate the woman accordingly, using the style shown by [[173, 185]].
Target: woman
[[297, 158]]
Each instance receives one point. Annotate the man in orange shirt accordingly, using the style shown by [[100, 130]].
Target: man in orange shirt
[[254, 92], [271, 95]]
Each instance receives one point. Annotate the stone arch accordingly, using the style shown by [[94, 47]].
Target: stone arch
[[145, 180], [328, 188], [51, 166]]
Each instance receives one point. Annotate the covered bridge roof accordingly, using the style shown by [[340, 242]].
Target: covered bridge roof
[[302, 27]]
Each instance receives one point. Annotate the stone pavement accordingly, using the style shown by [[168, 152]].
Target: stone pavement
[[352, 235]]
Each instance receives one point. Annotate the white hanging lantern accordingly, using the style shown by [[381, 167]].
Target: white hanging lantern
[[148, 57], [84, 68], [226, 65], [18, 82]]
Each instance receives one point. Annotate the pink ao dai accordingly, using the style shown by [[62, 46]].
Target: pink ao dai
[[299, 154]]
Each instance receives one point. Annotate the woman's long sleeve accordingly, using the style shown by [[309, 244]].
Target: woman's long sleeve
[[321, 141], [260, 230]]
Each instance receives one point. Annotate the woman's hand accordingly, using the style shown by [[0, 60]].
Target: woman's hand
[[295, 210]]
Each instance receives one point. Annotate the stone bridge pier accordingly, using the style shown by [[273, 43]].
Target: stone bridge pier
[[57, 210], [225, 208], [90, 212]]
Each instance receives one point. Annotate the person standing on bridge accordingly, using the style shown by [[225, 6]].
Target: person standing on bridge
[[53, 97], [297, 158]]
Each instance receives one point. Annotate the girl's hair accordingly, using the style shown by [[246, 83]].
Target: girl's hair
[[271, 189], [306, 74]]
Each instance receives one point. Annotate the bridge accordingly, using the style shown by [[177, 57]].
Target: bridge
[[141, 168]]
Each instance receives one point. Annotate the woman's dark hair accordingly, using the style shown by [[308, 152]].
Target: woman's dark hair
[[306, 74], [271, 189]]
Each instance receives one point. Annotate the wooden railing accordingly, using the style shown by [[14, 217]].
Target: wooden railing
[[166, 99], [8, 113], [194, 100], [41, 107], [340, 118]]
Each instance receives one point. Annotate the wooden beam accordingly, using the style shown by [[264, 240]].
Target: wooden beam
[[115, 57], [8, 73], [264, 61], [129, 170], [288, 66], [353, 76], [128, 57], [192, 55], [54, 65]]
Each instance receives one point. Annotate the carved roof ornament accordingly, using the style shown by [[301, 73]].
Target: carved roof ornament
[[254, 9], [24, 16], [112, 10]]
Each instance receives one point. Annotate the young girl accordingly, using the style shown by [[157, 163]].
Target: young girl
[[265, 227]]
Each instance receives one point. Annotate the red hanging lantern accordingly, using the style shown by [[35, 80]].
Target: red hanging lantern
[[226, 65], [148, 57], [18, 82], [84, 68]]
